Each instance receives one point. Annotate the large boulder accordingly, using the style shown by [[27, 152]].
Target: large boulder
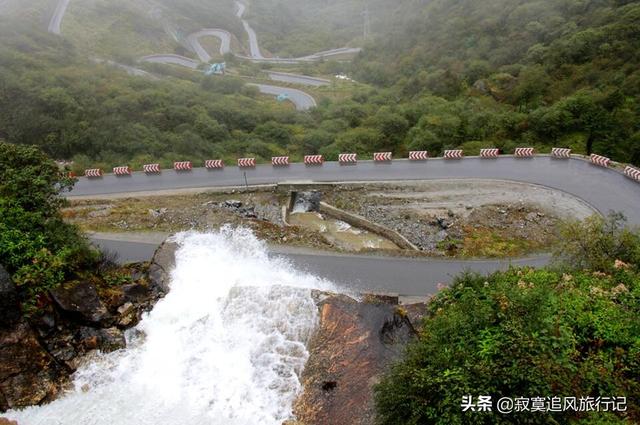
[[10, 313], [28, 374], [80, 300], [353, 345]]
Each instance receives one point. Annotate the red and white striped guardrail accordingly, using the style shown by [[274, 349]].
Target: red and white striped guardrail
[[151, 168], [489, 153], [561, 153], [600, 160], [382, 156], [214, 163], [246, 162], [93, 172], [453, 154], [279, 161], [348, 158], [632, 173], [182, 166], [313, 159], [418, 155], [122, 171], [524, 152]]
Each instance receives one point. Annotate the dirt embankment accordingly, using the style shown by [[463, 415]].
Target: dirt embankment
[[465, 218]]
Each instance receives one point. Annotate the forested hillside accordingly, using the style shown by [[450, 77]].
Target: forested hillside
[[563, 72], [433, 75]]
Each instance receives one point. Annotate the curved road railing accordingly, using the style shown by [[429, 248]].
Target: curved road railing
[[605, 189]]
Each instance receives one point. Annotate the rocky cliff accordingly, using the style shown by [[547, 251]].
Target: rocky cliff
[[355, 342], [38, 354]]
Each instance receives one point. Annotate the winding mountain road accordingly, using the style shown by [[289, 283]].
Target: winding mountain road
[[55, 23], [222, 35], [300, 99], [604, 189]]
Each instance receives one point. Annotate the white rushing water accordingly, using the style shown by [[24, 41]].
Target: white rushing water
[[225, 346]]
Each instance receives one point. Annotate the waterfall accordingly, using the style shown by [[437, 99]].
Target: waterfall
[[225, 346]]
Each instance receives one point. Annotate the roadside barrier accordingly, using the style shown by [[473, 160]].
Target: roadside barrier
[[279, 161], [524, 153], [214, 163], [347, 158], [489, 153], [93, 172], [453, 154], [382, 156], [600, 160], [352, 158], [151, 168], [418, 155], [313, 159], [561, 153], [246, 162], [122, 171], [632, 173], [182, 166]]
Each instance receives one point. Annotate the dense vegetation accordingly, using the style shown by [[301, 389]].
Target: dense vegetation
[[37, 247], [433, 75], [529, 333]]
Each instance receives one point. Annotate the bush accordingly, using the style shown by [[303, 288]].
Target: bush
[[598, 242], [520, 333], [36, 245]]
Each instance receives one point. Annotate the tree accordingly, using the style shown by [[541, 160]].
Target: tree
[[36, 245], [598, 242]]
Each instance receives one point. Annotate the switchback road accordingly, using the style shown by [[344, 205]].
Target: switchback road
[[604, 189]]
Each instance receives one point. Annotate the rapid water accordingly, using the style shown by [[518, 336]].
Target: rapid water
[[225, 346]]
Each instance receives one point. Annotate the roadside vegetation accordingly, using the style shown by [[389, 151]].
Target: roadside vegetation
[[571, 330], [37, 247]]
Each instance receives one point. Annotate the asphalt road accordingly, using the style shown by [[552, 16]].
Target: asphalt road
[[222, 35], [358, 273], [172, 59], [300, 99], [298, 79], [56, 20], [604, 189]]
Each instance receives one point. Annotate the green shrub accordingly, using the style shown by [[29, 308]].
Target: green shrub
[[520, 333]]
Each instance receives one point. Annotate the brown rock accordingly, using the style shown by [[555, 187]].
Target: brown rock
[[5, 421], [28, 374], [354, 344], [80, 300]]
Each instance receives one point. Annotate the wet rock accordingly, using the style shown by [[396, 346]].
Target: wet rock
[[10, 313], [127, 315], [106, 340], [161, 265], [80, 300], [5, 421], [307, 201], [28, 374], [136, 292], [354, 344]]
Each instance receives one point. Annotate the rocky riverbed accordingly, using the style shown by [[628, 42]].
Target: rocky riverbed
[[457, 218]]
